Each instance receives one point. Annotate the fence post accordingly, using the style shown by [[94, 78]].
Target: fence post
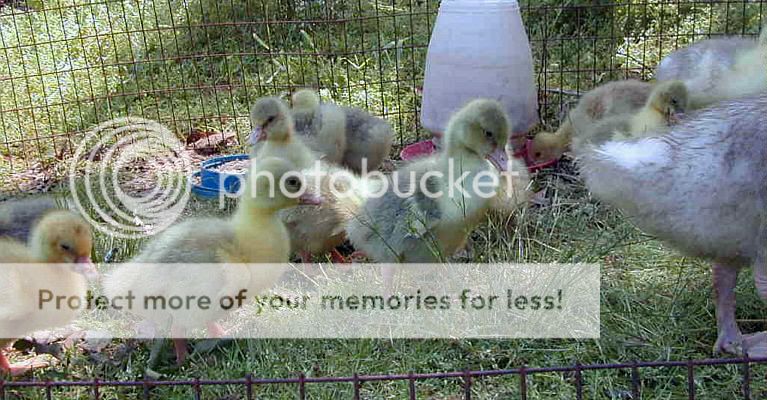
[[249, 387], [146, 386], [578, 381], [411, 386], [523, 382], [467, 384], [197, 389], [635, 382], [96, 389], [746, 380], [356, 382], [302, 386], [690, 380]]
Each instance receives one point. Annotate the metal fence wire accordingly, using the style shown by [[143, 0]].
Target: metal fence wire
[[196, 65], [301, 385]]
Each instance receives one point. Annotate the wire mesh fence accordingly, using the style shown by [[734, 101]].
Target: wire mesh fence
[[250, 387], [196, 65]]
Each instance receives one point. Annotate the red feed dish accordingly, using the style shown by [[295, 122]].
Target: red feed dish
[[426, 148], [417, 150]]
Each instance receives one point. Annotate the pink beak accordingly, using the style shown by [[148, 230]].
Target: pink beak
[[675, 118], [84, 266], [308, 199], [499, 159], [257, 135]]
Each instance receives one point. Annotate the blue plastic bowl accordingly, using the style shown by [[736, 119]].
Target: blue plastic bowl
[[211, 178], [204, 192], [213, 182]]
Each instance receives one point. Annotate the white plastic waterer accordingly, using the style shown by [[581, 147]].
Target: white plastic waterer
[[479, 48]]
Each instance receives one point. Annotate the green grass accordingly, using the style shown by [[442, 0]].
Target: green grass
[[655, 305], [158, 60]]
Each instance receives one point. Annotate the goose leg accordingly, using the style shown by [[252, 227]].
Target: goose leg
[[179, 344], [730, 339], [215, 330], [308, 260], [756, 345], [337, 257], [760, 273], [181, 352], [4, 365], [306, 257], [158, 344], [342, 263]]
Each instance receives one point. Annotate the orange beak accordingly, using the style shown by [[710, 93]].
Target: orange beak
[[84, 266], [257, 135]]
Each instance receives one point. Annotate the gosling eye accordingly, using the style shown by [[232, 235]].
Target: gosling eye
[[66, 247], [270, 120], [488, 134], [293, 182]]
